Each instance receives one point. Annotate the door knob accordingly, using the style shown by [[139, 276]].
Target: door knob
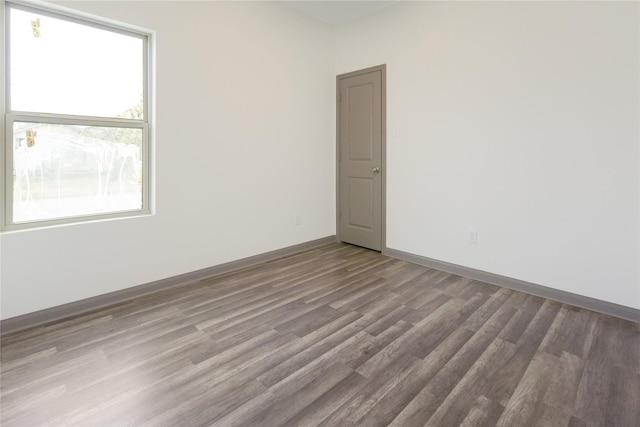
[[375, 169]]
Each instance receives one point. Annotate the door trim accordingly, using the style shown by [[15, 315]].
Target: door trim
[[383, 173]]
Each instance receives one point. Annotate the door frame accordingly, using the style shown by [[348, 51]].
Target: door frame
[[383, 155]]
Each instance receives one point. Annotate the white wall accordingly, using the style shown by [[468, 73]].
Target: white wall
[[244, 141], [520, 119]]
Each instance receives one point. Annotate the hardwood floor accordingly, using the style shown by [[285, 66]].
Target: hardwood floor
[[335, 336]]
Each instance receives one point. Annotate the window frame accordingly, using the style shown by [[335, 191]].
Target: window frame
[[9, 116]]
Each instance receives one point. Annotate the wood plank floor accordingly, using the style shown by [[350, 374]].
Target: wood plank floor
[[335, 336]]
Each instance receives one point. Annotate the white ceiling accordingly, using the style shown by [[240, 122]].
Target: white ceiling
[[337, 12]]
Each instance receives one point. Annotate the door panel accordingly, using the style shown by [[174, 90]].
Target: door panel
[[361, 202], [360, 122], [360, 175]]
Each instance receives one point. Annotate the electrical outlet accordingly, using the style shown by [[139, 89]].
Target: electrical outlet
[[473, 236], [298, 219]]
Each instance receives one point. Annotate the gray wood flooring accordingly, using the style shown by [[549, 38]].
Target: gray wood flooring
[[335, 336]]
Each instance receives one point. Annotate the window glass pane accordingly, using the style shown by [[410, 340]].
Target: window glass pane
[[70, 170], [62, 67]]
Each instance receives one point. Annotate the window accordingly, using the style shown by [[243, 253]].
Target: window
[[77, 119]]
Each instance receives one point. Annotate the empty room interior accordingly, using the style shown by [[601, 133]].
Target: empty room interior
[[358, 213]]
